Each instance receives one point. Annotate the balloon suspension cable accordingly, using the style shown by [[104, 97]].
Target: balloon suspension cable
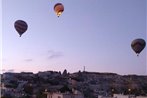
[[137, 54], [20, 36]]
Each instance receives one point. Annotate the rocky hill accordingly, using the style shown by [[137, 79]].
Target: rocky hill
[[91, 84], [109, 83]]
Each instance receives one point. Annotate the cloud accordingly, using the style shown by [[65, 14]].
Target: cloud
[[9, 70], [54, 54], [3, 70], [28, 60]]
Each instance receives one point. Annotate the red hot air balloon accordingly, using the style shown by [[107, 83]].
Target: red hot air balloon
[[58, 8], [138, 45], [20, 26]]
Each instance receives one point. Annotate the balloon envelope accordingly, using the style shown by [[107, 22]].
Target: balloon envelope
[[58, 8], [20, 26], [138, 45]]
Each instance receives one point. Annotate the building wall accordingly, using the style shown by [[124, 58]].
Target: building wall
[[141, 97], [55, 95], [60, 95], [120, 96], [72, 96], [123, 96], [100, 96]]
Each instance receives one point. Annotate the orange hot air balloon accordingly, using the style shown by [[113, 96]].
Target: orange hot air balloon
[[20, 26], [58, 8], [138, 45]]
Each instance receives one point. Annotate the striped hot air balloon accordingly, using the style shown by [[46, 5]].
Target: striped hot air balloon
[[20, 26], [138, 45], [58, 8]]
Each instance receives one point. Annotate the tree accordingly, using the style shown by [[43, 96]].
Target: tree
[[7, 95], [64, 72], [28, 89], [65, 88]]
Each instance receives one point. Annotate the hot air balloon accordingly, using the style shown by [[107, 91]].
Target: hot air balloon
[[20, 26], [58, 8], [138, 45]]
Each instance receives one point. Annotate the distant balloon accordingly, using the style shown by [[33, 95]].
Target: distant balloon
[[58, 8], [20, 26], [138, 45]]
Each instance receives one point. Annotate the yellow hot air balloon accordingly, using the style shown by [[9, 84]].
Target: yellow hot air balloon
[[58, 8], [138, 45], [20, 26]]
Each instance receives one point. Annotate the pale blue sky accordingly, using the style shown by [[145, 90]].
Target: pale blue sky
[[0, 35], [93, 33]]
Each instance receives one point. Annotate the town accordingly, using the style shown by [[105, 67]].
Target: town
[[81, 84]]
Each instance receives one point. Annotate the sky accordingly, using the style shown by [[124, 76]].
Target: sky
[[96, 34]]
